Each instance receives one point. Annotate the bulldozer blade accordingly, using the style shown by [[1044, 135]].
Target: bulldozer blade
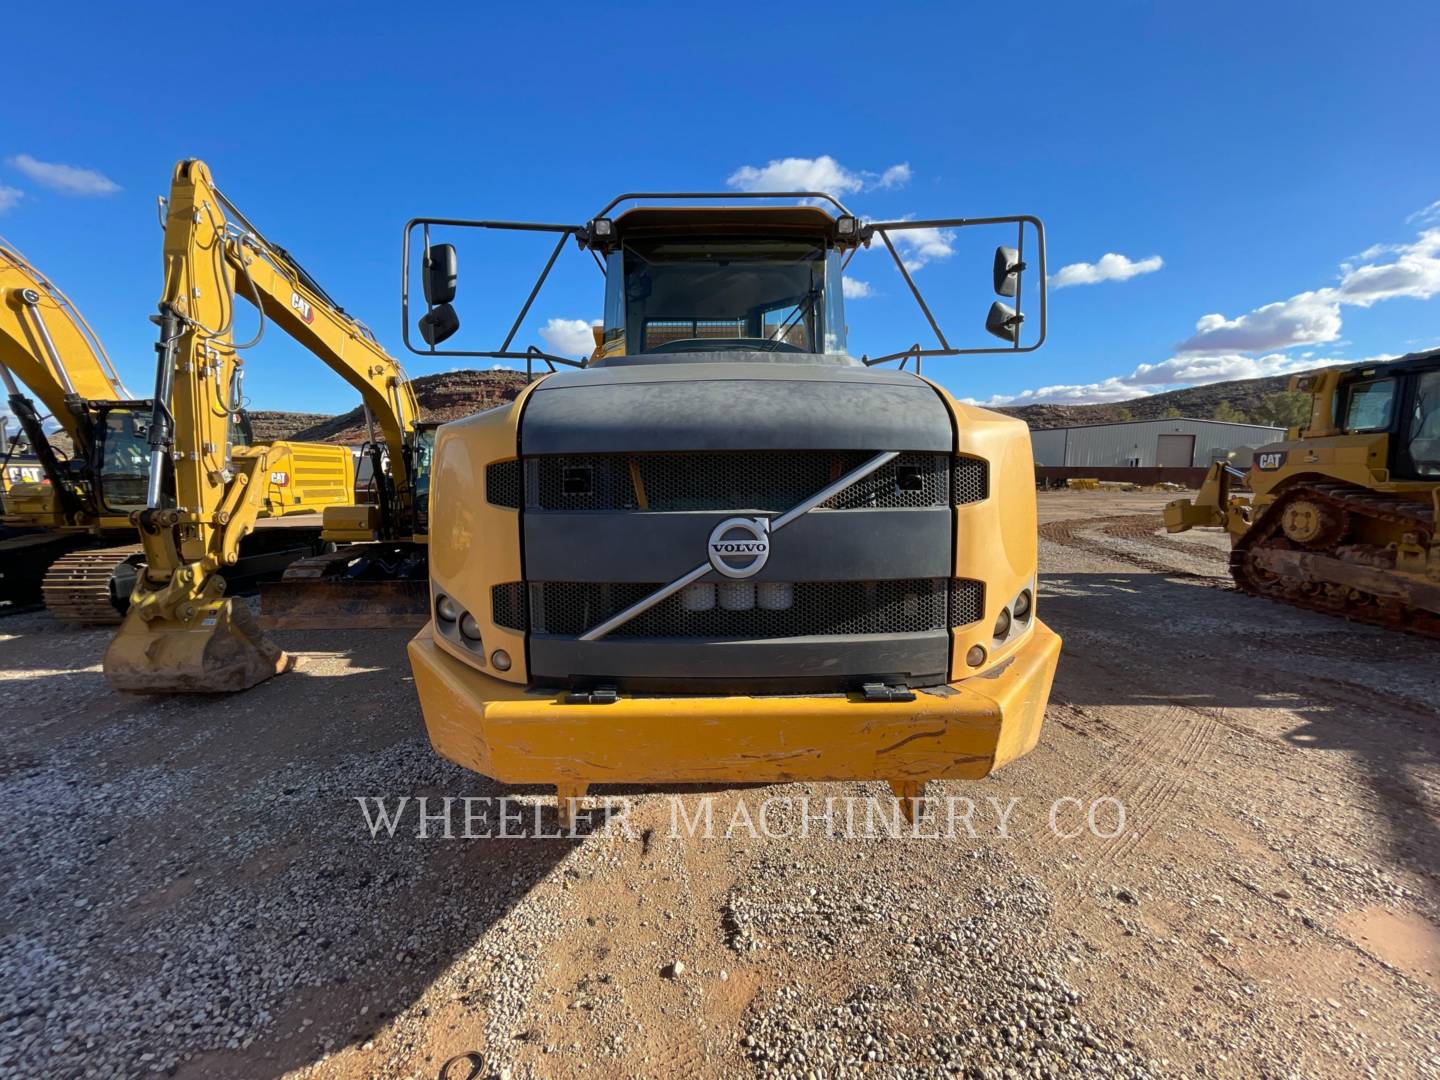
[[341, 604], [220, 651]]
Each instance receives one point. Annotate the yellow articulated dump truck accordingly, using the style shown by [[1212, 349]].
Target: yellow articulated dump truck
[[1340, 516], [722, 548]]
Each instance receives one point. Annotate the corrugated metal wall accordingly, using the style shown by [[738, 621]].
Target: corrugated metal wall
[[1133, 444], [1048, 446]]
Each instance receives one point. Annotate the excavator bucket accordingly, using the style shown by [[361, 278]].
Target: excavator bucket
[[220, 649]]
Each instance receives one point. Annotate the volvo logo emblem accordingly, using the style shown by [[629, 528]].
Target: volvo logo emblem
[[740, 546]]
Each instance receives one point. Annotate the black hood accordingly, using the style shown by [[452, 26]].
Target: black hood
[[705, 403]]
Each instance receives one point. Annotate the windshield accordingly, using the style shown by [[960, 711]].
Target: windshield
[[696, 294]]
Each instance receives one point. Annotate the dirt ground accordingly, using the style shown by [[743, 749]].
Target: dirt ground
[[191, 887]]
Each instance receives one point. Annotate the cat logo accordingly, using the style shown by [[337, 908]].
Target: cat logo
[[1270, 460], [300, 304], [279, 478]]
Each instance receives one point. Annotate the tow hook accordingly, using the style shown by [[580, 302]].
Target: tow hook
[[879, 691], [599, 695]]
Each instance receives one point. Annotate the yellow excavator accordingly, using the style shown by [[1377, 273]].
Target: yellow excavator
[[182, 633], [74, 545], [1340, 516]]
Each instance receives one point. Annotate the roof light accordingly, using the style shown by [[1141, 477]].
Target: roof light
[[602, 228], [846, 226]]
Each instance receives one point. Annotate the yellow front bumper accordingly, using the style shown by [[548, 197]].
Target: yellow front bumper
[[527, 737]]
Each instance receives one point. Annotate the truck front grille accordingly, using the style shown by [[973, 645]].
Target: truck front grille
[[743, 609], [732, 480]]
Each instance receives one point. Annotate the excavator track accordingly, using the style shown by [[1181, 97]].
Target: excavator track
[[77, 587], [373, 585], [1333, 570]]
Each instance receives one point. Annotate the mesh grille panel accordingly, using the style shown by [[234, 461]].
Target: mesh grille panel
[[768, 609], [507, 605], [502, 483], [970, 480], [967, 601], [732, 481]]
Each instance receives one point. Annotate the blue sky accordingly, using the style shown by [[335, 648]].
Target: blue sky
[[1239, 189]]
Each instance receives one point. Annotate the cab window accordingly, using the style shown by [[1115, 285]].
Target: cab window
[[1370, 405], [124, 453]]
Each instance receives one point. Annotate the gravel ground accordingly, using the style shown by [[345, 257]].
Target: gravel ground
[[191, 889]]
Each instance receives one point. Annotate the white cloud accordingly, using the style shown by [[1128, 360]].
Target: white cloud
[[1170, 374], [1427, 215], [9, 198], [69, 179], [1110, 267], [823, 173], [1415, 272], [855, 289], [1314, 317], [1306, 319], [899, 175], [569, 337]]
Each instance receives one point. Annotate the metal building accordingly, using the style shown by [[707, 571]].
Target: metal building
[[1179, 443]]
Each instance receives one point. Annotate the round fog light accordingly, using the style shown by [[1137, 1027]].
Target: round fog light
[[1022, 605], [976, 656], [446, 608], [1002, 624], [501, 659], [469, 628]]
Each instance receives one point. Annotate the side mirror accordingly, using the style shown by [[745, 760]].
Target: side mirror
[[439, 277], [1008, 268], [1003, 322], [440, 322]]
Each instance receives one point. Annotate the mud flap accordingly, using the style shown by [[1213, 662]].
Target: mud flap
[[343, 604], [219, 650]]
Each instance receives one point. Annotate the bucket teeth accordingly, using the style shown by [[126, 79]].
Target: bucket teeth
[[220, 650]]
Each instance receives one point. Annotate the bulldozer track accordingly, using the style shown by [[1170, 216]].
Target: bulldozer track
[[1350, 504], [77, 586]]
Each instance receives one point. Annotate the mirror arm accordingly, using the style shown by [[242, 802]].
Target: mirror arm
[[559, 244], [899, 263]]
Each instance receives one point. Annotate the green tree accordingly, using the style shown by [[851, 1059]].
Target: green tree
[[1285, 408], [1171, 413], [1123, 415], [1231, 415]]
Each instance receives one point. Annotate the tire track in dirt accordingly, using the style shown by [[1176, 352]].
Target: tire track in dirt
[[1137, 528]]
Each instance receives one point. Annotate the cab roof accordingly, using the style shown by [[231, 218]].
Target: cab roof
[[809, 221]]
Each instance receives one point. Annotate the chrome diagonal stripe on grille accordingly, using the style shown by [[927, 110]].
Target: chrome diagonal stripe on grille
[[595, 633]]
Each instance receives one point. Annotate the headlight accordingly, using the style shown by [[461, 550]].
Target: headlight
[[447, 609]]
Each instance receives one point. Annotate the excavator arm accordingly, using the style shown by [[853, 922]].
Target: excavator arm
[[182, 634]]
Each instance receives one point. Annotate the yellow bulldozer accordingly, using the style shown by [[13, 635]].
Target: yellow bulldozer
[[72, 540], [1340, 517], [722, 548]]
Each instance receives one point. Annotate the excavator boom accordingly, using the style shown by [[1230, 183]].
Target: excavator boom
[[182, 634]]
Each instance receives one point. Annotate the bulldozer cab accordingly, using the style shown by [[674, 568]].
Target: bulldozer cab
[[1401, 400]]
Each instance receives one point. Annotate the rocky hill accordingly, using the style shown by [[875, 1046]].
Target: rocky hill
[[446, 396], [1200, 402]]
